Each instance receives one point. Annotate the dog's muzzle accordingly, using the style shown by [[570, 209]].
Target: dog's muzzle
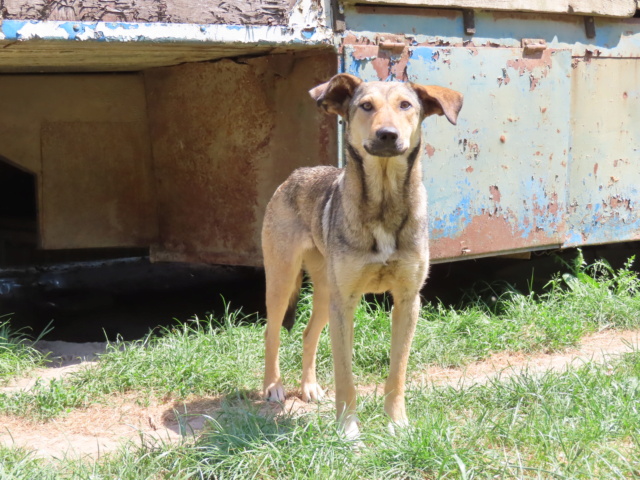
[[385, 143]]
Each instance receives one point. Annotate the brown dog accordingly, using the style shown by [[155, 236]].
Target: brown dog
[[354, 230]]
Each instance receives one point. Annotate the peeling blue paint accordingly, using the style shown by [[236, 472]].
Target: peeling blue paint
[[11, 28], [165, 32]]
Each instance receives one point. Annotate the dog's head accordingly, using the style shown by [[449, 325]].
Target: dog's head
[[384, 117]]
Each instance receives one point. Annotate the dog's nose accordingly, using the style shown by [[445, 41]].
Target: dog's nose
[[387, 134]]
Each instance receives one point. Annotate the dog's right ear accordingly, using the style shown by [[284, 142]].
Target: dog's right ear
[[334, 95]]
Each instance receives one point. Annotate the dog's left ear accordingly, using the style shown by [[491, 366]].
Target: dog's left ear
[[439, 101], [334, 95]]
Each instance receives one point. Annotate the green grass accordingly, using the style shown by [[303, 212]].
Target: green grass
[[208, 357], [17, 356], [582, 423]]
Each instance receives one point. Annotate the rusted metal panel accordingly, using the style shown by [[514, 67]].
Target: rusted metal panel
[[619, 8], [96, 185], [604, 191], [545, 153], [433, 27], [496, 182], [232, 12], [224, 135]]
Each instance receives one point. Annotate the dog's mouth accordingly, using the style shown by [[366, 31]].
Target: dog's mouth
[[384, 149]]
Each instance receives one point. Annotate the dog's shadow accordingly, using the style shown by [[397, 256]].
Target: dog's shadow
[[242, 417]]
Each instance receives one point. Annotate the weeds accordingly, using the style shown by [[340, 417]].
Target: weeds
[[581, 423], [17, 356]]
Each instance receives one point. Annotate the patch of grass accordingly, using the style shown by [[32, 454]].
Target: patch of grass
[[583, 423], [17, 356], [208, 357]]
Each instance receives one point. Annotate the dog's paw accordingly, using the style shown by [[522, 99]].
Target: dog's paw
[[274, 392], [393, 427], [312, 392], [350, 428]]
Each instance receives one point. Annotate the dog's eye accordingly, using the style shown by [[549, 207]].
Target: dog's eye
[[366, 106], [405, 105]]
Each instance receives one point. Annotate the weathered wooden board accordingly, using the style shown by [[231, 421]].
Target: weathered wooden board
[[231, 12], [612, 8]]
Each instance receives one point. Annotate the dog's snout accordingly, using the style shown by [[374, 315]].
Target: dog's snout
[[387, 134]]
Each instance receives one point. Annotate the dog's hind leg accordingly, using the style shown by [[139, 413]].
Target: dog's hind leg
[[315, 266], [282, 273]]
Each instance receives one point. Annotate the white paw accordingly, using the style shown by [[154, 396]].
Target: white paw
[[393, 427], [274, 392], [350, 428], [312, 392]]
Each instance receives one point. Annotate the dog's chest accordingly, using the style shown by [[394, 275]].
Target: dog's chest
[[384, 244]]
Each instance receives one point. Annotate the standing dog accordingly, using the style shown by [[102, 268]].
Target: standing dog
[[360, 229]]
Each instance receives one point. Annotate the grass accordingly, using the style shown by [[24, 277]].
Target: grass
[[582, 423], [206, 357], [17, 356]]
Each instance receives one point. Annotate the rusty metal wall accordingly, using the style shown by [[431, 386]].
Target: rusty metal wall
[[545, 153], [224, 135]]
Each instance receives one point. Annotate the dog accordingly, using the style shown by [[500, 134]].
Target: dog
[[354, 230]]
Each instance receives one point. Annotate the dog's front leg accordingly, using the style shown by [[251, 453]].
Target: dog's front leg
[[406, 309], [342, 309]]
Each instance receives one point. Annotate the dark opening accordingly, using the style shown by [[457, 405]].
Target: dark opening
[[18, 215]]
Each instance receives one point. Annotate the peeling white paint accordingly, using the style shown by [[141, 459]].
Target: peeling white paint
[[164, 32]]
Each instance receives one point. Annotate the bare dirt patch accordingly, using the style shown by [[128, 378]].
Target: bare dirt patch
[[103, 427]]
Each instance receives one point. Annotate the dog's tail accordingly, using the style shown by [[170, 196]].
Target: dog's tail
[[290, 315]]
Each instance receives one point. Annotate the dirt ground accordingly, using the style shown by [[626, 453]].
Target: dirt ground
[[102, 428]]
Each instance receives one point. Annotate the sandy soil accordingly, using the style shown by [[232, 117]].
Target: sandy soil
[[104, 427]]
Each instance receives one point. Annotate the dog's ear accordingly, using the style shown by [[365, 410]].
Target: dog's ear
[[439, 101], [334, 95]]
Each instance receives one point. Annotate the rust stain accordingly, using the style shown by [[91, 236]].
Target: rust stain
[[488, 232], [553, 204], [595, 169], [504, 79], [541, 60], [494, 191], [382, 67], [469, 169], [625, 95], [399, 67], [365, 52], [503, 138], [429, 150], [618, 202], [470, 149]]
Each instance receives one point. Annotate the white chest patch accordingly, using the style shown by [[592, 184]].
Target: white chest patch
[[385, 244]]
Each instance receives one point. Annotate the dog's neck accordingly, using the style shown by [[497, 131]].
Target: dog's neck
[[380, 183]]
